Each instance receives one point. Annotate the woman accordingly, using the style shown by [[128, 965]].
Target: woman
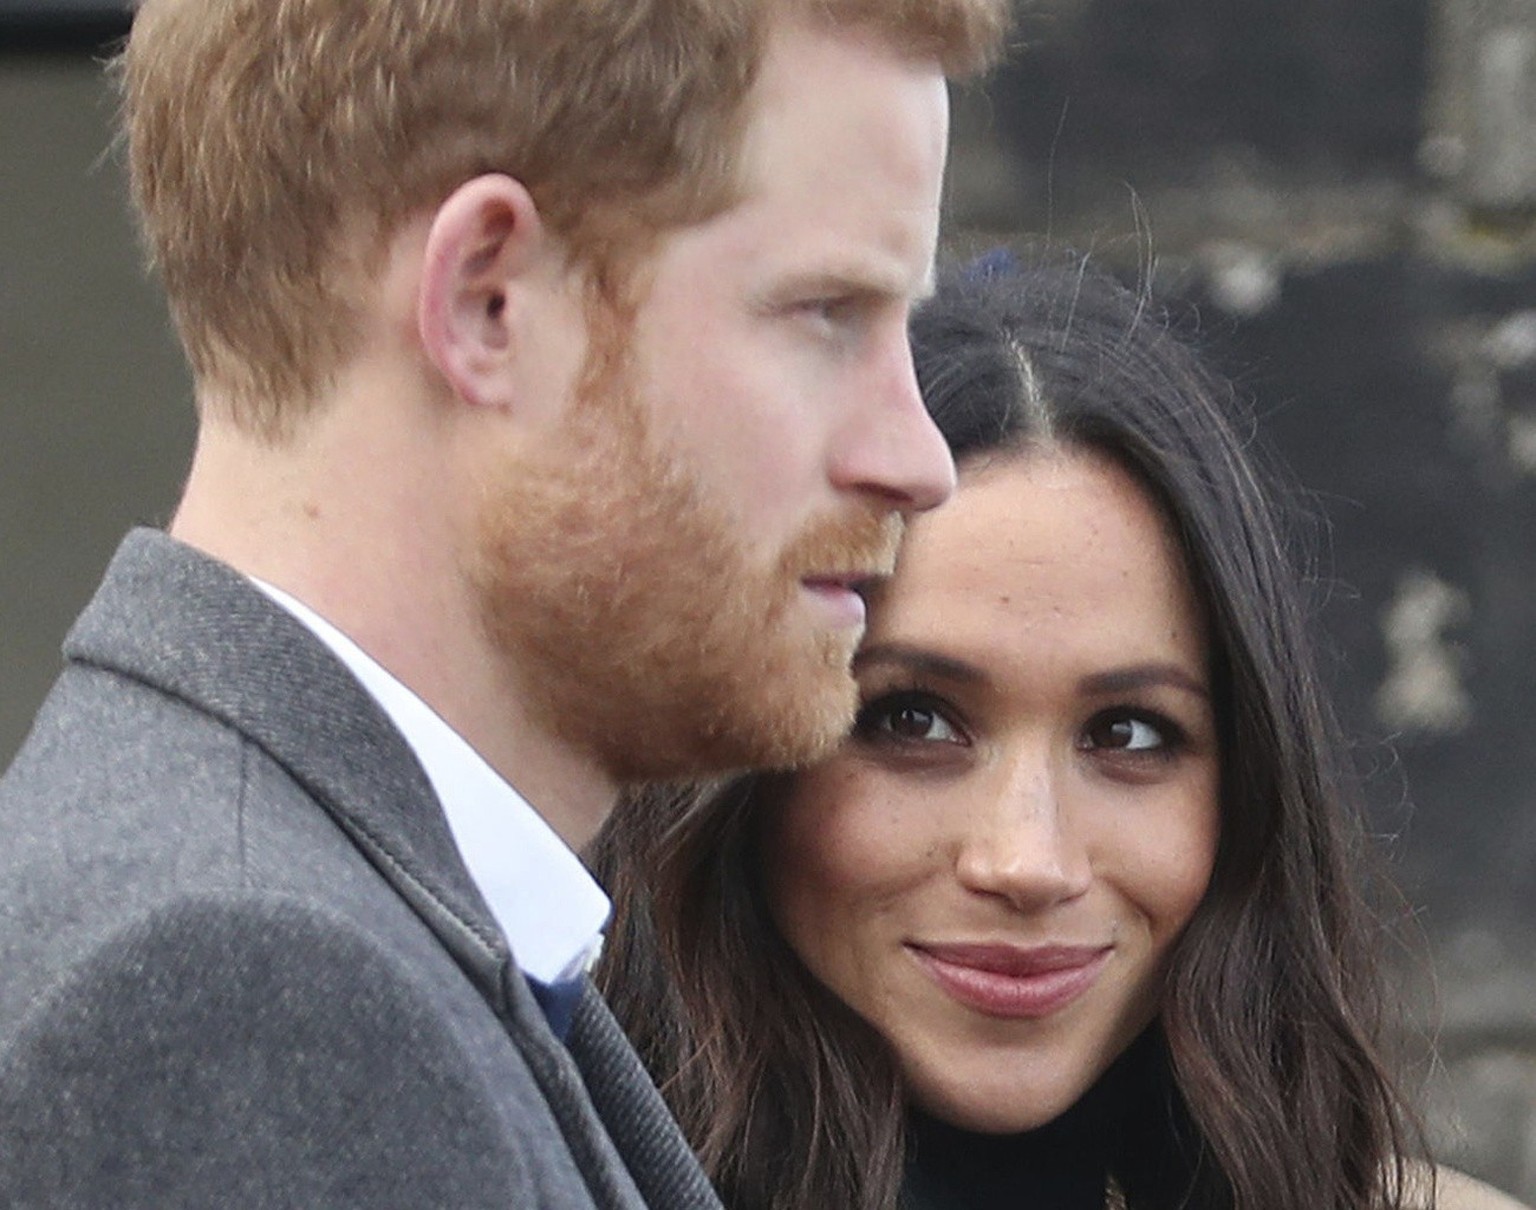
[[1072, 918]]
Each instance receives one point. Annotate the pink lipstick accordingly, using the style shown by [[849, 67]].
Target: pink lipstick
[[1006, 981]]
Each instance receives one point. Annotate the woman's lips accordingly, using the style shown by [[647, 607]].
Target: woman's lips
[[1003, 981]]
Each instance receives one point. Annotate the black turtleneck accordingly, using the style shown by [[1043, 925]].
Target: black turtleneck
[[1062, 1165]]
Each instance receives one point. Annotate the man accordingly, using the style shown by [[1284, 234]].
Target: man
[[554, 404]]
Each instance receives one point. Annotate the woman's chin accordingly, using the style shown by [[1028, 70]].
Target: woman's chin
[[1009, 1109]]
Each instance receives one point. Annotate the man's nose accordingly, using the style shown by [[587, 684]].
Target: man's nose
[[891, 448]]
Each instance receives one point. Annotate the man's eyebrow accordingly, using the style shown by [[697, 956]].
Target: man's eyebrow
[[1145, 676], [916, 659], [859, 281]]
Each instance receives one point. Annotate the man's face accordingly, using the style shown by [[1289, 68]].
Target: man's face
[[772, 345], [677, 577]]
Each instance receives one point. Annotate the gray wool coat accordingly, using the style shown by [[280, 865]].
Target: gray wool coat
[[241, 962]]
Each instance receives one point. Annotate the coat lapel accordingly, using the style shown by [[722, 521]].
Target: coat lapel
[[638, 1121]]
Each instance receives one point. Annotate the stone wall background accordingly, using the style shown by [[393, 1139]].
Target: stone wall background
[[1342, 192]]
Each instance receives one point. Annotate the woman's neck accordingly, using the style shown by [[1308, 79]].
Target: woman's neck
[[1062, 1165]]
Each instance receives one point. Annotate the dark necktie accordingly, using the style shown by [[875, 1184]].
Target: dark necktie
[[558, 1000]]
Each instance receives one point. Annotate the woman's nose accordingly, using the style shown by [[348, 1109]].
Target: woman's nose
[[1022, 842]]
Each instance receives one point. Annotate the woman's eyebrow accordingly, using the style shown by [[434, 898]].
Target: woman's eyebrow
[[917, 659], [1145, 676]]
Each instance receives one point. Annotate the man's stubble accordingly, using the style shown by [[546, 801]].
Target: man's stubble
[[640, 629]]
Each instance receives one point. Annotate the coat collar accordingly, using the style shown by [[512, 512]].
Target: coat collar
[[197, 629]]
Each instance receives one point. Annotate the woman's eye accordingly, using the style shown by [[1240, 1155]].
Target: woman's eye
[[1126, 733], [905, 718]]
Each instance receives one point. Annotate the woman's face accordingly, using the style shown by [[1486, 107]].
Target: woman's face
[[992, 870]]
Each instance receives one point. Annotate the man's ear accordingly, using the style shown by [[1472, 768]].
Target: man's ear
[[483, 240]]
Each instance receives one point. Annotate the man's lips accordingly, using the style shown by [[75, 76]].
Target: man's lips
[[1012, 981], [843, 593]]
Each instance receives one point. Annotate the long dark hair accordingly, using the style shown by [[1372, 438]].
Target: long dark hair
[[1272, 1093]]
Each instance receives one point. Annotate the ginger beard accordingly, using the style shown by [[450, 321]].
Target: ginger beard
[[640, 628]]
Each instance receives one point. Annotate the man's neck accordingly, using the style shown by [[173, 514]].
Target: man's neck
[[355, 524]]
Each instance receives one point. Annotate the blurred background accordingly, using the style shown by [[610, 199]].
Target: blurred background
[[1342, 193]]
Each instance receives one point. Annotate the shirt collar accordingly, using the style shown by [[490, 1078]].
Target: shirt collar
[[549, 907]]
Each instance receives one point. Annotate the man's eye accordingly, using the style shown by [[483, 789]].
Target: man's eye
[[911, 718], [830, 311], [838, 313]]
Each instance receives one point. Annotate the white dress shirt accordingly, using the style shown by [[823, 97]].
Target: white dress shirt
[[548, 905]]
